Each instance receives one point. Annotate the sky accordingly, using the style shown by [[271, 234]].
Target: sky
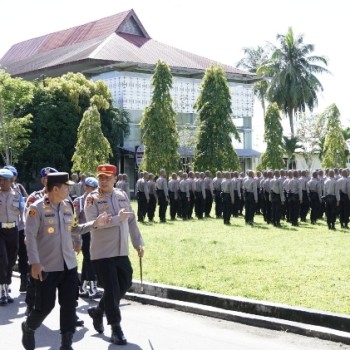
[[218, 30]]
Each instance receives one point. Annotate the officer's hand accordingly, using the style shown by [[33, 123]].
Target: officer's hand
[[36, 271], [123, 214], [102, 220], [140, 252]]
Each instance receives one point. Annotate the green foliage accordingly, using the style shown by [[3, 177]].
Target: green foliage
[[334, 149], [159, 133], [290, 144], [214, 150], [273, 156], [292, 71], [92, 147], [57, 108], [253, 60], [15, 131]]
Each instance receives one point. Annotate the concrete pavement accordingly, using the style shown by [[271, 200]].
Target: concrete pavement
[[154, 328]]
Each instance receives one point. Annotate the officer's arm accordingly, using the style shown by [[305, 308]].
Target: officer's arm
[[32, 225]]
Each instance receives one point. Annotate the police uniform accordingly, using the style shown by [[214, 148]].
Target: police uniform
[[11, 206], [163, 195], [331, 201], [250, 198], [315, 194], [49, 228], [109, 251], [227, 197], [276, 199], [173, 188]]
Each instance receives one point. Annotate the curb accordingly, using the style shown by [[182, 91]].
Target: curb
[[302, 321]]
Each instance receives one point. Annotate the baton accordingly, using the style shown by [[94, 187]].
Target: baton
[[141, 289]]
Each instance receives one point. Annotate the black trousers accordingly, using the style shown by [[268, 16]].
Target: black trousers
[[173, 205], [88, 271], [151, 207], [268, 207], [184, 204], [236, 204], [141, 206], [8, 253], [163, 204], [344, 209], [199, 205], [315, 206], [331, 209], [191, 205], [218, 204], [249, 207], [294, 207], [66, 283], [226, 206], [208, 202], [22, 254], [304, 207], [276, 208], [115, 276]]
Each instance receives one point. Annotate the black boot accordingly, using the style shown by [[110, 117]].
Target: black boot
[[28, 340], [97, 318], [66, 341], [3, 295], [117, 337]]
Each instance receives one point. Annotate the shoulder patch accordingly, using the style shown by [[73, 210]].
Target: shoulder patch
[[89, 200], [32, 212]]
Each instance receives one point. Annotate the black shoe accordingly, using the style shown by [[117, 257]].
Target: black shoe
[[79, 322], [97, 318], [118, 337], [66, 342], [28, 340]]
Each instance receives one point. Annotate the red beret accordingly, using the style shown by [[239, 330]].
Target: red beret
[[106, 169]]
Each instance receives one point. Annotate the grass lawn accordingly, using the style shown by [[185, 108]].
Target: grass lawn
[[304, 266]]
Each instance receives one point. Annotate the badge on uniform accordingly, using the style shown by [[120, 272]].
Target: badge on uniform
[[32, 212], [89, 200], [50, 230]]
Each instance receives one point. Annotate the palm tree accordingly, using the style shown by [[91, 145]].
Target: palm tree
[[290, 145], [252, 61], [292, 68]]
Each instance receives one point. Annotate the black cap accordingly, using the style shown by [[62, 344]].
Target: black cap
[[59, 178]]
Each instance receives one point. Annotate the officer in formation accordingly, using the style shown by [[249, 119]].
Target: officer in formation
[[279, 195]]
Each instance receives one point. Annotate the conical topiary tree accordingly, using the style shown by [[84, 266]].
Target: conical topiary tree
[[214, 150]]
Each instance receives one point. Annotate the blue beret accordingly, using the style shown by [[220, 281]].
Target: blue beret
[[11, 168], [91, 181], [7, 174], [47, 170]]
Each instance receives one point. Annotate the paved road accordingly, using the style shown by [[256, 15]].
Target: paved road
[[152, 328]]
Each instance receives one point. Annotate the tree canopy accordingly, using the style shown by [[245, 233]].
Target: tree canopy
[[158, 127], [334, 148], [15, 130], [272, 158], [214, 150]]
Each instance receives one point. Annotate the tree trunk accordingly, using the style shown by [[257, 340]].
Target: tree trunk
[[291, 122]]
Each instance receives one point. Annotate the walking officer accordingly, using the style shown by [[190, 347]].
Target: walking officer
[[49, 225], [11, 208], [109, 249]]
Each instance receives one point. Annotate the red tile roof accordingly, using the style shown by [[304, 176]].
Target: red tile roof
[[104, 41]]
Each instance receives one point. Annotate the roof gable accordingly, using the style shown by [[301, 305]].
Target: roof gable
[[125, 22]]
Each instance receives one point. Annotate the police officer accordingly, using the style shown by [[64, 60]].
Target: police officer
[[11, 207], [88, 288], [49, 226], [250, 197], [22, 250], [173, 188], [295, 198], [342, 193], [34, 196], [162, 194], [152, 193], [217, 194], [331, 200], [184, 191], [227, 197], [109, 249], [276, 198], [315, 197]]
